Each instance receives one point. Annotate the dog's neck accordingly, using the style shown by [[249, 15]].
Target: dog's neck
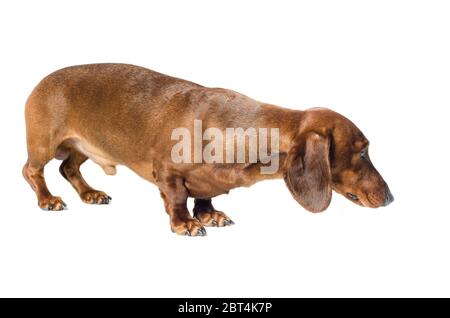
[[286, 120], [288, 123]]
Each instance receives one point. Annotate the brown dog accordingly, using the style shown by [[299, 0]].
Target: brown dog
[[123, 114]]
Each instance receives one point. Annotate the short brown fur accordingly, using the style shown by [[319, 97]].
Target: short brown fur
[[119, 114]]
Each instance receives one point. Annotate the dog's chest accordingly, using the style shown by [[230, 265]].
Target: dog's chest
[[212, 180]]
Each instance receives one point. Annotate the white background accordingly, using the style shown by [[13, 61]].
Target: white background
[[383, 64]]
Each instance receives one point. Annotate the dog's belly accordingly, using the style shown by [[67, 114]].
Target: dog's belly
[[96, 154]]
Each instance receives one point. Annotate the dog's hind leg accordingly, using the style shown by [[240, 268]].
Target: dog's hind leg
[[70, 170], [33, 171], [42, 138], [204, 211], [39, 154], [45, 130]]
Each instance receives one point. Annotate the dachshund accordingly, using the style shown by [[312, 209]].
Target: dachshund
[[120, 114]]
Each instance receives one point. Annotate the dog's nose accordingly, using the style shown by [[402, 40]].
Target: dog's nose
[[389, 197]]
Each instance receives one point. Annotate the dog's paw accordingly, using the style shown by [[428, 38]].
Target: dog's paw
[[190, 227], [52, 204], [95, 197], [214, 218]]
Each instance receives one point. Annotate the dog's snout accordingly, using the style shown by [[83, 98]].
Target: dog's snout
[[389, 197]]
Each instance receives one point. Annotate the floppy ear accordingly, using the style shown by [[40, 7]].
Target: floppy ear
[[308, 173]]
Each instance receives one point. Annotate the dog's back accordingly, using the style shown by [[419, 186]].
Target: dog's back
[[104, 104]]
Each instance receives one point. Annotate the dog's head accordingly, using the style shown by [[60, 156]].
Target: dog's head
[[331, 153]]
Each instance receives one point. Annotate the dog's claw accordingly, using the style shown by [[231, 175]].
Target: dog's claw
[[201, 232], [188, 227], [95, 197], [109, 198], [213, 218], [52, 204], [228, 222]]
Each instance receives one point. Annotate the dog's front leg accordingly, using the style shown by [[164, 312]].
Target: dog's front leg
[[175, 195], [208, 215]]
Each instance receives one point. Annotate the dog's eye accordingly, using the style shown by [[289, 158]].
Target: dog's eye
[[352, 196]]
